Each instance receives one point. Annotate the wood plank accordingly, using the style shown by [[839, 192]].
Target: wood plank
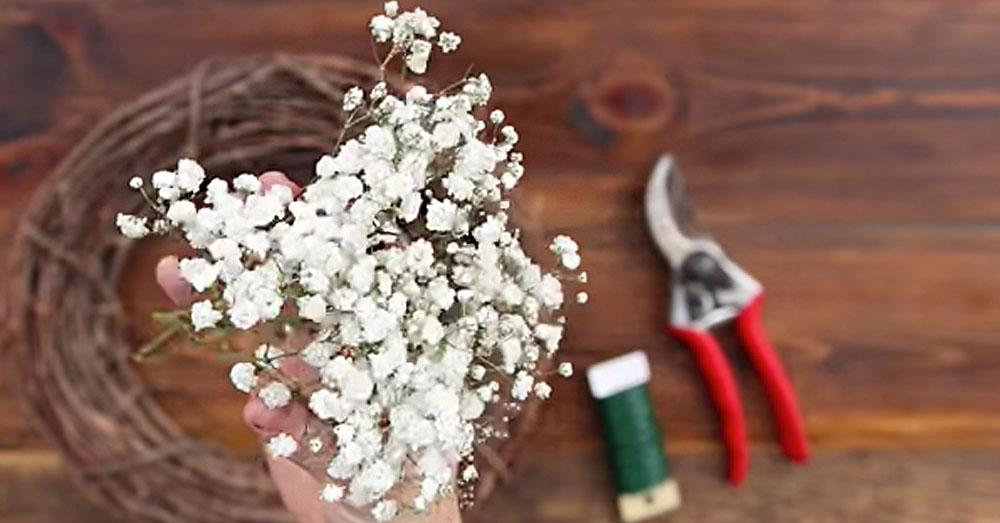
[[916, 336], [38, 489], [843, 152], [938, 487], [944, 487]]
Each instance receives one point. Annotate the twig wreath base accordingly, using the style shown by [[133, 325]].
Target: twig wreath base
[[71, 358]]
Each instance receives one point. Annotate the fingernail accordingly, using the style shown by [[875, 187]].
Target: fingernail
[[169, 277], [267, 423], [271, 178]]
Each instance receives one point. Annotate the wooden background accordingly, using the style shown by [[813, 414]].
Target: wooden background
[[845, 152]]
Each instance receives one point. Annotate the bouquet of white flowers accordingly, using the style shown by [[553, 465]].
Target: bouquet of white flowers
[[399, 259]]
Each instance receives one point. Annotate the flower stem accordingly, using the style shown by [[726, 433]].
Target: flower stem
[[154, 345]]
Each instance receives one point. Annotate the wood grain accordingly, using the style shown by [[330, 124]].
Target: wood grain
[[843, 152]]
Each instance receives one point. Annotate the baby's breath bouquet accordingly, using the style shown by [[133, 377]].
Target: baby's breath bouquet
[[398, 258]]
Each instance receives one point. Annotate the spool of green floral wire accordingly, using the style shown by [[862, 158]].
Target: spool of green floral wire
[[632, 437]]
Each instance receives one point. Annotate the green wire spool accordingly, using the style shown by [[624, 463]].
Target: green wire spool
[[632, 437], [633, 440]]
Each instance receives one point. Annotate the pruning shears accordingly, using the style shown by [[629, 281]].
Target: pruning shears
[[709, 289]]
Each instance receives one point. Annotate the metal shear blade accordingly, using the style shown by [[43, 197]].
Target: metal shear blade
[[669, 214], [708, 287]]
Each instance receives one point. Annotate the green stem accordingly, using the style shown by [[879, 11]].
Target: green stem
[[155, 344]]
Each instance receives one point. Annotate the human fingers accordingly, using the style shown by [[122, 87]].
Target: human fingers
[[271, 178], [168, 275]]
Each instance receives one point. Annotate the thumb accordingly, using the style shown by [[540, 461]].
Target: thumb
[[293, 418], [168, 275], [267, 423]]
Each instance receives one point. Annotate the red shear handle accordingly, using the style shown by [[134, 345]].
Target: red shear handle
[[779, 390], [722, 388]]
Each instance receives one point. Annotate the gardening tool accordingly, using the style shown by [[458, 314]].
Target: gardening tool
[[709, 289]]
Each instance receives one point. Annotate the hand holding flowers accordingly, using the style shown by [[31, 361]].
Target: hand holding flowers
[[423, 316]]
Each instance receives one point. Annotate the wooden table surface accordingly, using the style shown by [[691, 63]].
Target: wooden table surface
[[845, 152]]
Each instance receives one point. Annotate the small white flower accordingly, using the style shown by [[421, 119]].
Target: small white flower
[[414, 23], [379, 91], [418, 55], [490, 231], [244, 376], [442, 215], [570, 260], [496, 116], [432, 331], [449, 41], [418, 94], [282, 446], [446, 134], [200, 273], [379, 142], [225, 249], [327, 405], [345, 433], [478, 89], [189, 175], [326, 166], [440, 293], [566, 369], [353, 98], [131, 226], [472, 407], [543, 390], [549, 335], [509, 134], [522, 386], [257, 243], [317, 353], [164, 179], [469, 473], [312, 307], [511, 175], [247, 183], [563, 244], [582, 277], [391, 8], [484, 392], [315, 445], [204, 316], [217, 192], [384, 510], [169, 193], [361, 276], [182, 212], [550, 291], [381, 27], [511, 350], [135, 183], [346, 188], [275, 395], [582, 297], [331, 493], [477, 372]]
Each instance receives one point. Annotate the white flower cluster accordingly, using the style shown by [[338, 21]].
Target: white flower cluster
[[400, 257], [410, 34]]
